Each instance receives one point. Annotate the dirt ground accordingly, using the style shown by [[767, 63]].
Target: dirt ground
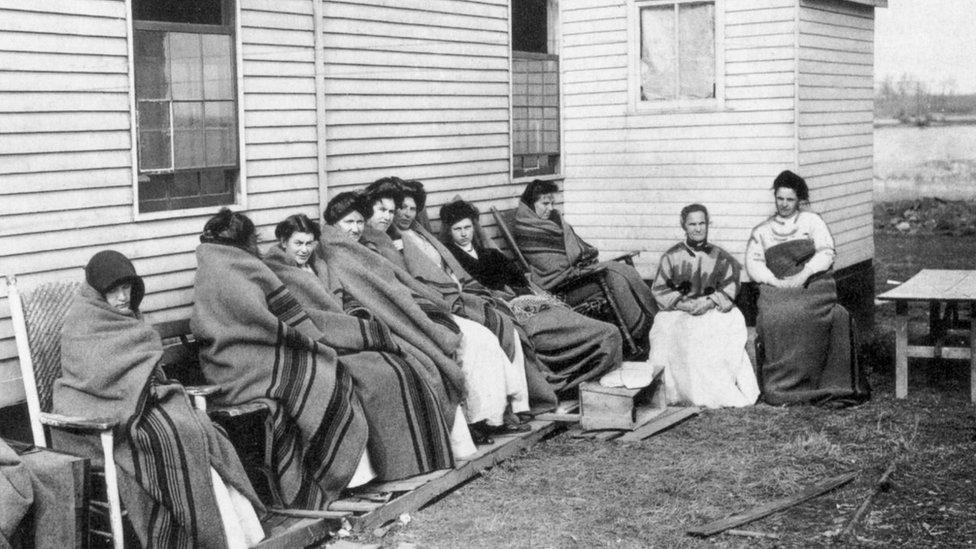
[[570, 492]]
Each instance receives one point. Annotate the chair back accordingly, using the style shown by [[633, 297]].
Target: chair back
[[503, 219], [38, 316]]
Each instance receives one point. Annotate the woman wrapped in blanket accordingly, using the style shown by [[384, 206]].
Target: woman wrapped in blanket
[[555, 253], [327, 408], [492, 383], [806, 334], [179, 477], [699, 336], [572, 347], [367, 347]]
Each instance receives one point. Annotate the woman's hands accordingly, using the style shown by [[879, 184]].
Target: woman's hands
[[696, 306]]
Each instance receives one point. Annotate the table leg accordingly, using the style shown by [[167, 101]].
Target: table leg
[[901, 349], [972, 352]]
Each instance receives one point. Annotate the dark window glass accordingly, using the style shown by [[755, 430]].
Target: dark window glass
[[200, 12], [529, 26]]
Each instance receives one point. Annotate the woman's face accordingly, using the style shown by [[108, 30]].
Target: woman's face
[[696, 227], [462, 232], [406, 213], [352, 224], [298, 247], [545, 205], [120, 297], [787, 203], [383, 210]]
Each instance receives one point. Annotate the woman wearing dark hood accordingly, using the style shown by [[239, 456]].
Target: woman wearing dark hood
[[180, 479]]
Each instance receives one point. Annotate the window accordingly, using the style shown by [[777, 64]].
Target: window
[[535, 88], [186, 104], [678, 51]]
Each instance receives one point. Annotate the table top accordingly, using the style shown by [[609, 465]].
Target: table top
[[935, 284]]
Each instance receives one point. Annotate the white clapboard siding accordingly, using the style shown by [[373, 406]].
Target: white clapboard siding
[[628, 173], [835, 119], [65, 150], [419, 89]]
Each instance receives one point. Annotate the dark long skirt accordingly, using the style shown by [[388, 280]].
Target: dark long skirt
[[807, 346]]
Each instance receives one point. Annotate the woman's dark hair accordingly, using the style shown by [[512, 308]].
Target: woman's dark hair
[[453, 212], [690, 209], [297, 223], [229, 227], [415, 190], [345, 203], [537, 188], [790, 180], [387, 187]]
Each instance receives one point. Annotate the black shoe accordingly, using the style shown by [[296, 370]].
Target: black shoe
[[479, 433]]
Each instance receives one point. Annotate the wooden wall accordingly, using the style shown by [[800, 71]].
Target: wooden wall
[[629, 172], [836, 110], [66, 188], [420, 89]]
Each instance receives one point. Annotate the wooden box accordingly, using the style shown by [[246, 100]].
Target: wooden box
[[619, 407]]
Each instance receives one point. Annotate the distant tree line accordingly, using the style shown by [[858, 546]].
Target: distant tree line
[[914, 101]]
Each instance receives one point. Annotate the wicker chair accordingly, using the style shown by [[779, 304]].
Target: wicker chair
[[602, 306]]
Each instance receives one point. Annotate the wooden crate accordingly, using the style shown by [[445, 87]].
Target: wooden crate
[[619, 407]]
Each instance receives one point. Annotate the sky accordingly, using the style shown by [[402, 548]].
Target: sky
[[932, 40]]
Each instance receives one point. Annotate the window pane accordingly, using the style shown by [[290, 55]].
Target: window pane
[[188, 135], [186, 65], [152, 71], [221, 133], [153, 115], [154, 150], [658, 60], [696, 44], [218, 81], [203, 12]]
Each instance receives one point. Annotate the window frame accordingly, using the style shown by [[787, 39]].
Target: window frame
[[635, 103], [233, 7]]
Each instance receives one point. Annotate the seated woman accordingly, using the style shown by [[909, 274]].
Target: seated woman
[[572, 347], [699, 336], [806, 334], [418, 433], [491, 381], [179, 477], [260, 345], [556, 254]]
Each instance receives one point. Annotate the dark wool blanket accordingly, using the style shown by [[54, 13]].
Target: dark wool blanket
[[164, 447], [387, 292], [16, 494], [807, 338], [253, 343], [405, 404], [555, 253]]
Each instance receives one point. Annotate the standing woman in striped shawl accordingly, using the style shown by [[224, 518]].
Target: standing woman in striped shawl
[[555, 253], [179, 477], [259, 345]]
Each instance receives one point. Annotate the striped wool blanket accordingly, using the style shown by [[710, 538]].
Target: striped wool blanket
[[407, 409], [164, 447], [254, 344]]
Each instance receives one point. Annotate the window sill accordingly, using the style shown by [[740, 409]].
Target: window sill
[[661, 107], [530, 178], [190, 212]]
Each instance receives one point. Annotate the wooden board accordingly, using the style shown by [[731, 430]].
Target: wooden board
[[287, 532], [670, 417], [424, 488], [940, 284]]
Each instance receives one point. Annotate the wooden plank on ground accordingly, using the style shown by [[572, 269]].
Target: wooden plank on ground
[[408, 484], [767, 509], [413, 500], [552, 416], [297, 533], [668, 418]]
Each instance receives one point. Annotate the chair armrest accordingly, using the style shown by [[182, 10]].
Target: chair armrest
[[590, 276], [628, 257], [77, 422], [203, 390]]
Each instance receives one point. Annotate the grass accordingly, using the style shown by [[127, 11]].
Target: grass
[[570, 492]]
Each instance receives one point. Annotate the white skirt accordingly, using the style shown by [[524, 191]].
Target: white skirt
[[490, 378]]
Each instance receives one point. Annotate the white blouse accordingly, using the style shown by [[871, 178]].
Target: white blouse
[[776, 230]]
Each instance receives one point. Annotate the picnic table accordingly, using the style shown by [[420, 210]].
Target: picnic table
[[945, 291]]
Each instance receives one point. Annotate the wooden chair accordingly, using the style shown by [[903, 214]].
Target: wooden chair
[[603, 306], [38, 317]]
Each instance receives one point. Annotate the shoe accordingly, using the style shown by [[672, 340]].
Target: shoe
[[480, 434]]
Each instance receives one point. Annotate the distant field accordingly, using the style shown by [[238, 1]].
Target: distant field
[[912, 162]]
